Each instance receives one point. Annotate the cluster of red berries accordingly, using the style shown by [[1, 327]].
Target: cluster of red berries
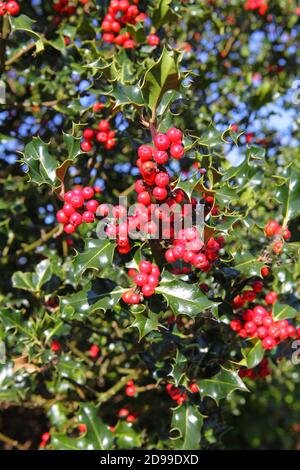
[[156, 182], [130, 388], [119, 226], [125, 413], [64, 7], [104, 135], [258, 322], [260, 372], [77, 199], [176, 394], [189, 248], [259, 5], [12, 8], [145, 280], [120, 14], [280, 234]]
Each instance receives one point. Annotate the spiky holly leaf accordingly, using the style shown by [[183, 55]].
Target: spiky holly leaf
[[97, 254], [246, 264], [25, 24], [100, 294], [145, 323], [186, 427], [97, 436], [33, 282], [221, 385], [162, 13], [183, 298], [188, 185], [162, 76]]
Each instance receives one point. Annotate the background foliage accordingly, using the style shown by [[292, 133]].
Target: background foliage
[[226, 77]]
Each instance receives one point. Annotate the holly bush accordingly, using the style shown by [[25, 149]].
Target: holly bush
[[170, 339]]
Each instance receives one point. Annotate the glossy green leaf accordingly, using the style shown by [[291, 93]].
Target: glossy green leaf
[[145, 323], [283, 312], [97, 254], [33, 282], [183, 298], [254, 354], [221, 385], [126, 436], [162, 76], [101, 294], [186, 427], [97, 436]]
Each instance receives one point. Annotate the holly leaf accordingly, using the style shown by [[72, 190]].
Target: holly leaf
[[163, 14], [97, 254], [33, 282], [126, 436], [100, 294], [97, 436], [247, 265], [41, 165], [254, 355], [221, 385], [188, 185], [146, 323], [126, 94], [162, 76], [183, 298], [283, 312], [187, 423], [288, 193], [25, 24]]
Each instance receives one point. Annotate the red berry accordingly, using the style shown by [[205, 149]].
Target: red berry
[[236, 325], [77, 201], [135, 299], [62, 217], [160, 194], [169, 255], [82, 428], [123, 412], [144, 198], [86, 146], [268, 343], [102, 136], [2, 8], [68, 209], [55, 346], [271, 298], [162, 179], [161, 141], [271, 228], [194, 388], [145, 152], [88, 192], [153, 40], [264, 271], [129, 44], [139, 186], [76, 218], [13, 8], [94, 351], [88, 134], [88, 217], [262, 332], [250, 327], [277, 246], [103, 126], [140, 279], [177, 151], [145, 267], [92, 205], [175, 135], [161, 157], [148, 290]]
